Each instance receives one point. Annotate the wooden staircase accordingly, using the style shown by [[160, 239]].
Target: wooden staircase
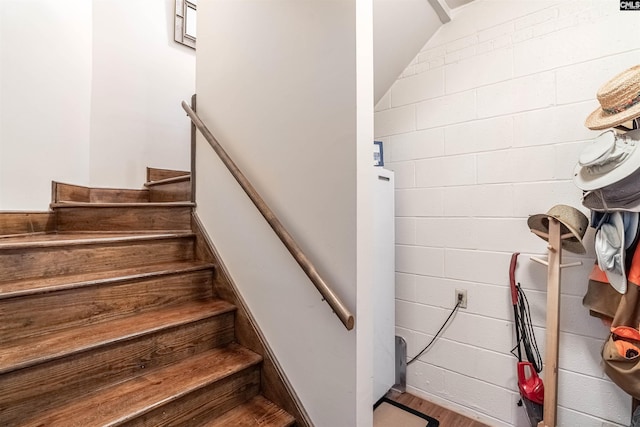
[[112, 313]]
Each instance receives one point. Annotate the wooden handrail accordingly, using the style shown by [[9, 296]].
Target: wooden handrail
[[345, 316]]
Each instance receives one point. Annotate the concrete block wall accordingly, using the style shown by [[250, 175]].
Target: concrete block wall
[[483, 129]]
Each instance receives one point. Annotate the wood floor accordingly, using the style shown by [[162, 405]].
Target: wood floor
[[446, 417]]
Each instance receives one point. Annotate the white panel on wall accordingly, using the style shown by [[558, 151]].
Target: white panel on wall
[[520, 79]]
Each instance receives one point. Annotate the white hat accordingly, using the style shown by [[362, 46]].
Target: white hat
[[613, 238], [610, 158]]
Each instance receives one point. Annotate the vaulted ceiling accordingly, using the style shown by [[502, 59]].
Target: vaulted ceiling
[[400, 29]]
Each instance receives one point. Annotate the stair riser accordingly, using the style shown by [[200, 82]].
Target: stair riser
[[109, 195], [27, 391], [210, 402], [172, 192], [115, 219], [12, 223], [76, 193], [45, 313], [17, 264], [70, 193], [157, 174]]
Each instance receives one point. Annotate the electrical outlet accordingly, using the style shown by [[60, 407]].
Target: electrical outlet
[[461, 296]]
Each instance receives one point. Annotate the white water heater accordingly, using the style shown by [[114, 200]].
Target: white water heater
[[383, 284]]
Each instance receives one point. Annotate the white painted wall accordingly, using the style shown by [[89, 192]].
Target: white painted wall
[[276, 84], [90, 94], [45, 89], [140, 76], [366, 255], [1, 115], [483, 129], [400, 29]]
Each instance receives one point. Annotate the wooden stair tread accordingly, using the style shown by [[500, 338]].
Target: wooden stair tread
[[181, 204], [57, 283], [171, 180], [71, 239], [22, 353], [36, 237], [110, 316], [125, 401], [257, 412]]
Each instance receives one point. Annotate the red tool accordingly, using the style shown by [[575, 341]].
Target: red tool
[[529, 383]]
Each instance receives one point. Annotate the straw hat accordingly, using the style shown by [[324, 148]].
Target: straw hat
[[619, 100], [571, 221]]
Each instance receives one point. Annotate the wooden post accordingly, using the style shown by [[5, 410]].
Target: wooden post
[[194, 130], [553, 325]]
